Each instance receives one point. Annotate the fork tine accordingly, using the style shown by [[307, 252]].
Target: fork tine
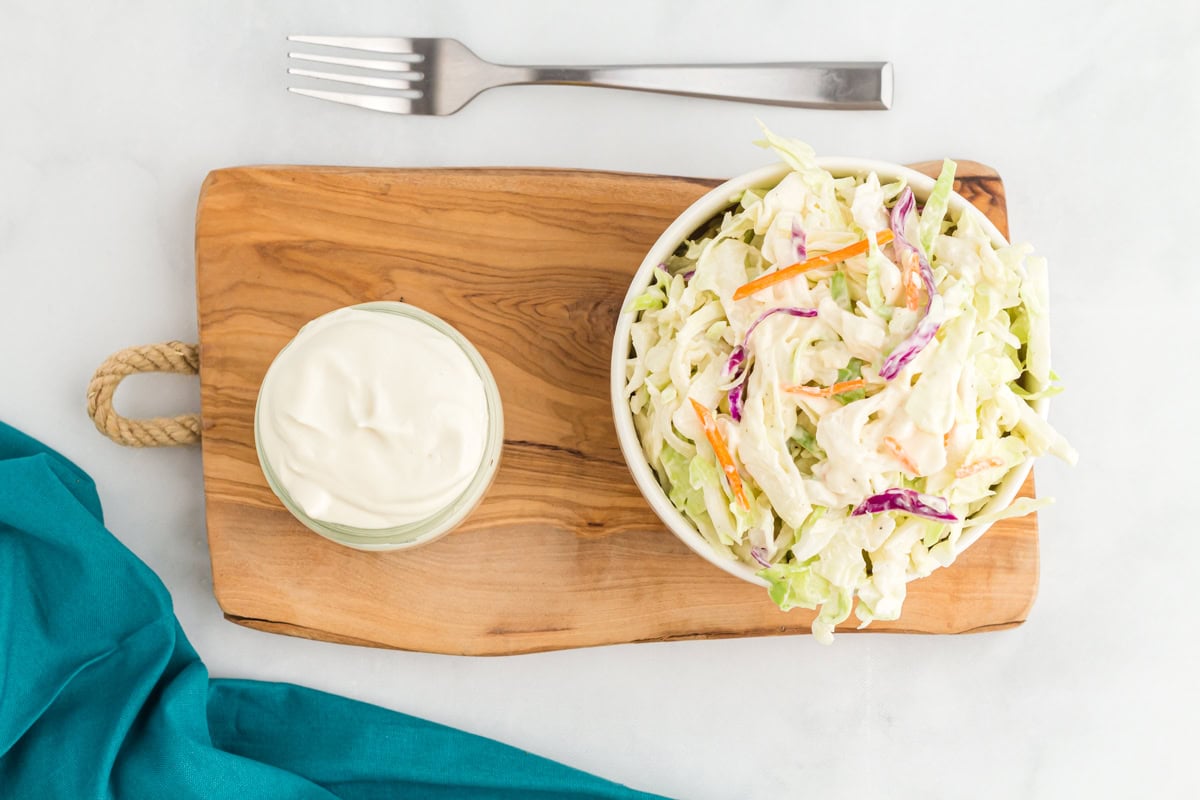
[[356, 80], [373, 44], [374, 102], [361, 63]]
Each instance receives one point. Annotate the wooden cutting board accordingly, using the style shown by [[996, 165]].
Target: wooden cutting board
[[532, 266]]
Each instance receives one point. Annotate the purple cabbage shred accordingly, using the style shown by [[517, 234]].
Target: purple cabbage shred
[[736, 359], [925, 330], [736, 366], [735, 401], [909, 501], [791, 310], [799, 241]]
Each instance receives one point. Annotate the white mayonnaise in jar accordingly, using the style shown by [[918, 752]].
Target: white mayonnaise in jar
[[379, 426]]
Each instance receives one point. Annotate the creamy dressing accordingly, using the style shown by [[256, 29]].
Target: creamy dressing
[[372, 419]]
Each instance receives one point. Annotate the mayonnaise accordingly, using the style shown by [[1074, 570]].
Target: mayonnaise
[[372, 419]]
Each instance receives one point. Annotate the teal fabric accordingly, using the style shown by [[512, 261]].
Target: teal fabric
[[102, 696]]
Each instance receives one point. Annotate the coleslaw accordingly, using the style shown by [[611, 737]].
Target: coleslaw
[[830, 382]]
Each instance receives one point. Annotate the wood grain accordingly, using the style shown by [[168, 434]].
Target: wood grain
[[531, 265]]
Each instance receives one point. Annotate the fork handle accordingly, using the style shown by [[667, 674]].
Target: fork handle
[[830, 84]]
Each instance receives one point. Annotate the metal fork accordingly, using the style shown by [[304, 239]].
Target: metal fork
[[440, 76]]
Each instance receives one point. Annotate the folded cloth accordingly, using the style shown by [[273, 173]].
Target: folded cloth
[[102, 696]]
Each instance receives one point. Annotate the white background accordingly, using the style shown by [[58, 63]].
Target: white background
[[111, 113]]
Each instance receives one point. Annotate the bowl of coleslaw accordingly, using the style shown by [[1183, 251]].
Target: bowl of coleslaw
[[831, 376]]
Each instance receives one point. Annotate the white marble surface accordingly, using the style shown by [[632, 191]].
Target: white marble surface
[[114, 111]]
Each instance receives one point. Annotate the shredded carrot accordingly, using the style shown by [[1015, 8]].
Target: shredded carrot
[[826, 391], [946, 438], [911, 281], [912, 292], [898, 452], [967, 470], [721, 450], [824, 260]]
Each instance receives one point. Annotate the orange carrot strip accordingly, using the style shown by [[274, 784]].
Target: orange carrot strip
[[912, 292], [911, 281], [824, 260], [713, 434], [967, 470], [894, 448], [826, 391]]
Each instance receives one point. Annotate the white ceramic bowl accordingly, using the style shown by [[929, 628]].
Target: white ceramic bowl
[[706, 208]]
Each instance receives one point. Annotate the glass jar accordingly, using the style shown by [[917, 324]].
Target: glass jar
[[444, 520]]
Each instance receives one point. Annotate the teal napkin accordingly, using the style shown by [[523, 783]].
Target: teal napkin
[[102, 696]]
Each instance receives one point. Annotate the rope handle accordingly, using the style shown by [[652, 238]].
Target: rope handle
[[175, 357]]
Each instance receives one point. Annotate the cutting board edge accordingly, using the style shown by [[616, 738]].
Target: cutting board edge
[[967, 168], [316, 634], [214, 177]]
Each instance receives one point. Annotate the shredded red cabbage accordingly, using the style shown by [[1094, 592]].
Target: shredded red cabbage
[[908, 501], [735, 401], [736, 359], [908, 349], [799, 240], [687, 276], [737, 368], [759, 555], [926, 329], [738, 356], [793, 311]]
